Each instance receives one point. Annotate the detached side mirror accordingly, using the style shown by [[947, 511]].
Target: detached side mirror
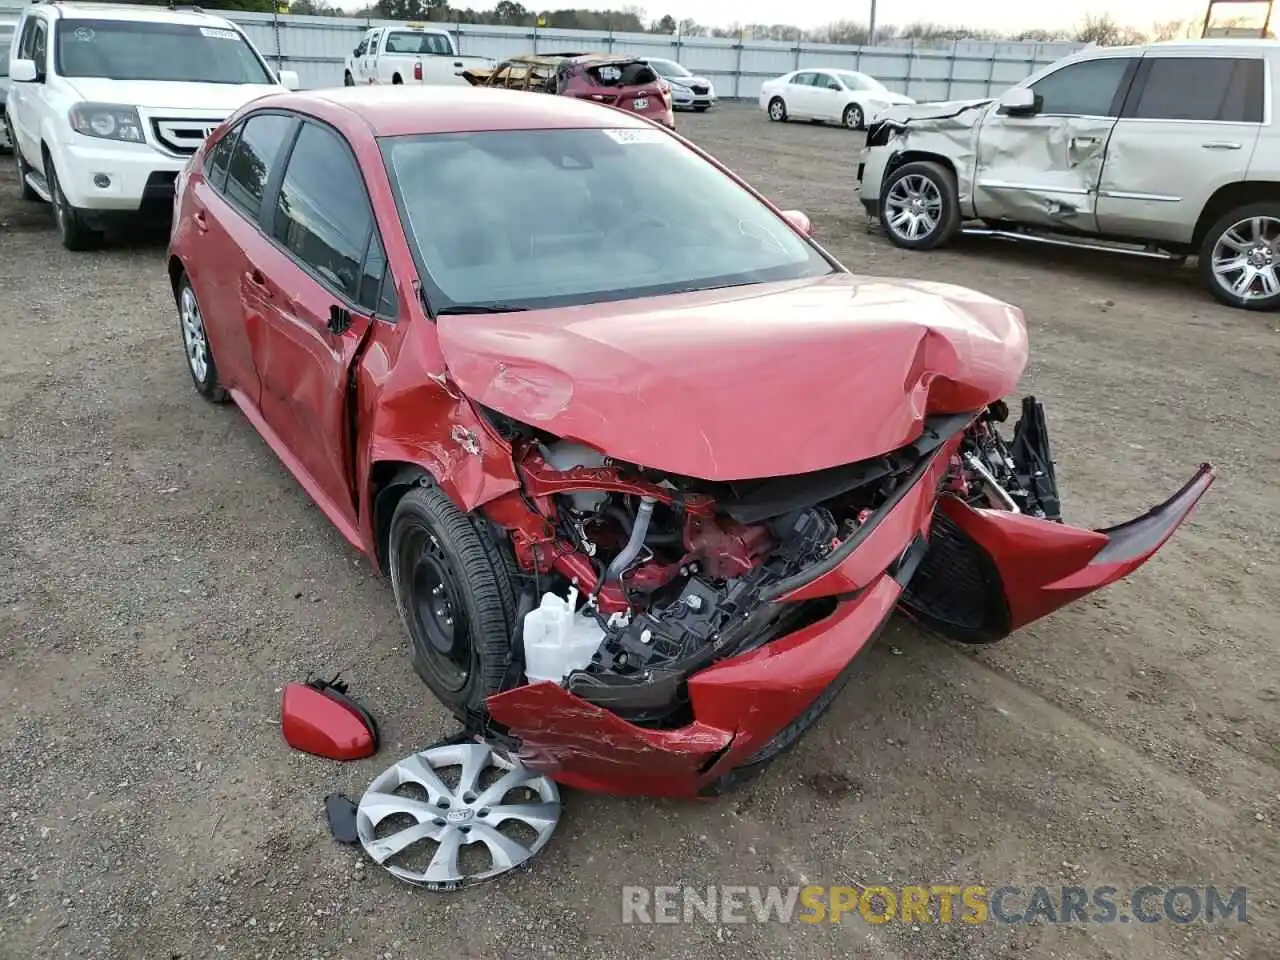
[[799, 220], [289, 79], [1019, 102], [23, 71]]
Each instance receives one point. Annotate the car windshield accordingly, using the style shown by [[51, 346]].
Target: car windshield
[[546, 218], [413, 42], [6, 38], [860, 81], [139, 50], [669, 68]]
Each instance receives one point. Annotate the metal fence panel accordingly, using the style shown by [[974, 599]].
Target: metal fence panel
[[316, 47]]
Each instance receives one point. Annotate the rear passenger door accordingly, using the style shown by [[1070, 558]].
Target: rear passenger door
[[327, 272], [799, 95], [1189, 126]]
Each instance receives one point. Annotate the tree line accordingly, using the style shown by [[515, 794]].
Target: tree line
[[1102, 29]]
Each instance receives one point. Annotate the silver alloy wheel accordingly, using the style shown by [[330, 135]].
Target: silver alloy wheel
[[913, 207], [193, 334], [1245, 258], [853, 117], [454, 818], [776, 109]]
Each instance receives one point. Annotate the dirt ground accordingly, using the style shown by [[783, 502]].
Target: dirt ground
[[161, 576]]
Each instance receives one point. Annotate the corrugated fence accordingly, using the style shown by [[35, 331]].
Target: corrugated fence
[[316, 47]]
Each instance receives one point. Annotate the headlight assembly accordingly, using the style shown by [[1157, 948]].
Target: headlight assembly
[[107, 121]]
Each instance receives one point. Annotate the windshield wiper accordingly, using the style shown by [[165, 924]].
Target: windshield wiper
[[466, 308]]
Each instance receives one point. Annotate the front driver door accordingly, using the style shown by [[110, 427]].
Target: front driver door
[[1044, 169], [799, 95], [322, 240]]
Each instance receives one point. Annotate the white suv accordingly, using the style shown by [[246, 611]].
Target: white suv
[[107, 102]]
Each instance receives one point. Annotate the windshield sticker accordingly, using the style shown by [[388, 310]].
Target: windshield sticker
[[83, 34], [635, 136], [217, 34]]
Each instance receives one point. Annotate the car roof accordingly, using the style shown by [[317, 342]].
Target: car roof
[[391, 111], [126, 11]]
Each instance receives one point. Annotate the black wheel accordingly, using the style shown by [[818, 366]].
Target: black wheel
[[455, 597], [1240, 257], [396, 79], [853, 118], [23, 167], [70, 222], [195, 342], [777, 110], [919, 206], [347, 79]]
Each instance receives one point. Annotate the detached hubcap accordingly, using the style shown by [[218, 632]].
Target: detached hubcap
[[1245, 258]]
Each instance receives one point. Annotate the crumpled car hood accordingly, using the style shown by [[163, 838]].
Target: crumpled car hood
[[944, 109], [746, 382]]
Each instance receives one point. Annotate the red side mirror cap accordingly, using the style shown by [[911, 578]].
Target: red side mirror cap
[[319, 718]]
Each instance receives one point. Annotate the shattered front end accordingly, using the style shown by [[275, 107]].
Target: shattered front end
[[678, 633]]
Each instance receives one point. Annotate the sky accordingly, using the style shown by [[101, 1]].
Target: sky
[[987, 14]]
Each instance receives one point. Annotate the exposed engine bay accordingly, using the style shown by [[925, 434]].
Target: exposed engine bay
[[670, 574]]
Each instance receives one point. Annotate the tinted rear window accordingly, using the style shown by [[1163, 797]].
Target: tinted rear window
[[1201, 88]]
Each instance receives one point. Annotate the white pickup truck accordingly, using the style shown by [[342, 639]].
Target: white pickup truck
[[409, 53]]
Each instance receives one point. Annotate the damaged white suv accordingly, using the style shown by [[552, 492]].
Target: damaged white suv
[[1165, 150]]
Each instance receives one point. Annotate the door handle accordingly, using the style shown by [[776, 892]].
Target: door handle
[[1084, 142], [259, 280], [1221, 145], [199, 220]]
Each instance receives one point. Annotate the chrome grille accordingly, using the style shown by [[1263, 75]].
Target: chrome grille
[[182, 136]]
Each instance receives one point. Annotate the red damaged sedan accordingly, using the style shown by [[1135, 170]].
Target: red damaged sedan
[[646, 466]]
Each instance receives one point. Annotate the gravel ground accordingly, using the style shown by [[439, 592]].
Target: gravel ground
[[161, 576]]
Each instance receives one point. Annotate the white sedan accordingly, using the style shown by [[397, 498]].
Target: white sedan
[[844, 96]]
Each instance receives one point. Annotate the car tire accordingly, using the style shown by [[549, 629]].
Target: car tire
[[195, 342], [24, 168], [927, 192], [347, 79], [454, 594], [72, 230], [778, 110], [853, 117], [397, 80], [1257, 253]]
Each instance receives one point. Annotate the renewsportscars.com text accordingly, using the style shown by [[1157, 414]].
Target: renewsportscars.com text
[[936, 903]]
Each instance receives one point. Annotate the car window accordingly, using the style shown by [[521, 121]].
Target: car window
[[218, 159], [803, 79], [522, 216], [1201, 88], [361, 47], [35, 45], [323, 215], [1084, 89], [377, 288], [827, 81], [251, 162], [171, 52], [406, 41]]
